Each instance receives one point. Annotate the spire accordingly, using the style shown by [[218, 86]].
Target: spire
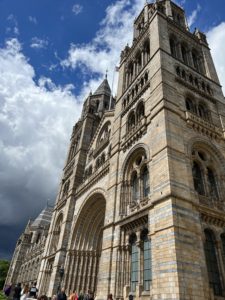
[[104, 88]]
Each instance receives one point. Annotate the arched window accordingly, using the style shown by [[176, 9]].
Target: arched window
[[184, 54], [195, 60], [212, 263], [213, 191], [145, 182], [173, 47], [134, 184], [147, 260], [189, 105], [131, 121], [223, 247], [134, 262], [198, 178], [140, 111], [203, 112]]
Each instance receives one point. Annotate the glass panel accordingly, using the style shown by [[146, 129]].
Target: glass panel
[[135, 188], [147, 264], [212, 184], [134, 267], [212, 264], [145, 178], [198, 179]]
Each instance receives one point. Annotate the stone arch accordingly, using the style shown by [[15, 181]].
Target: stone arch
[[208, 146], [86, 243], [104, 132], [131, 153]]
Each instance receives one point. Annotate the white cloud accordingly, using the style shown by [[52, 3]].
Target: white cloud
[[77, 9], [32, 20], [37, 43], [192, 18], [13, 25], [216, 38], [36, 120], [103, 51]]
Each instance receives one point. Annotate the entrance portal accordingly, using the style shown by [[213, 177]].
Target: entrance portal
[[84, 256]]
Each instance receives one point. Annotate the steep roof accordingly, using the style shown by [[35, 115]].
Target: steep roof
[[103, 89], [44, 218]]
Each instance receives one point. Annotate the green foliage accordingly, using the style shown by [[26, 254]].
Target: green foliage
[[4, 266], [2, 296]]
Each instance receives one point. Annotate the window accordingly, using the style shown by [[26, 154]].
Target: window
[[184, 54], [189, 105], [140, 111], [195, 60], [203, 112], [212, 263], [145, 182], [147, 260], [134, 262], [131, 121], [198, 178], [213, 191], [173, 47], [223, 247], [135, 187]]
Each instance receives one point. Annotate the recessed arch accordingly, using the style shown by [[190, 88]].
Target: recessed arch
[[86, 242]]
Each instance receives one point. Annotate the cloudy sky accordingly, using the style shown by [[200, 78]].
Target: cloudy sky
[[52, 53]]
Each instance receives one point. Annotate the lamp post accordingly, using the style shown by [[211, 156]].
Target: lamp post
[[61, 273]]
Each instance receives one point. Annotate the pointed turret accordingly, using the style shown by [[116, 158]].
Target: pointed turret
[[104, 88], [44, 218]]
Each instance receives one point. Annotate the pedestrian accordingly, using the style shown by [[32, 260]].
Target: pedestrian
[[62, 295], [110, 297], [17, 292], [7, 289], [91, 296], [43, 297], [72, 295], [81, 296], [33, 291], [25, 292], [130, 297], [87, 295]]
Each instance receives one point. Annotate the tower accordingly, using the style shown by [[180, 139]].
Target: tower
[[140, 208]]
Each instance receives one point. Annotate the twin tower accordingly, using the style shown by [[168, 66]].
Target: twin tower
[[141, 204]]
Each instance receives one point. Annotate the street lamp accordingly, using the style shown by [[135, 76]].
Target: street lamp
[[61, 273]]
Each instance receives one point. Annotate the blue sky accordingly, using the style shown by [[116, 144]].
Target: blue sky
[[52, 53]]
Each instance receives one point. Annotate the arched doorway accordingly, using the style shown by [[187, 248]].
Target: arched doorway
[[84, 255]]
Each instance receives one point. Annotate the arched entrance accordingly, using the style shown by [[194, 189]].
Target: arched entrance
[[83, 258]]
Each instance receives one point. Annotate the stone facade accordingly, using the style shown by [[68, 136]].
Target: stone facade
[[26, 260], [140, 208]]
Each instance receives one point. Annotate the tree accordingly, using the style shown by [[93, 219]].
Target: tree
[[4, 267]]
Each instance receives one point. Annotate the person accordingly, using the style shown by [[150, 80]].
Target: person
[[43, 297], [54, 297], [73, 296], [7, 289], [62, 295], [17, 292], [91, 296], [110, 297], [81, 296], [130, 297], [33, 291], [24, 293]]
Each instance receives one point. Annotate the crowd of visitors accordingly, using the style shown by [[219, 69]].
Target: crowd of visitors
[[25, 292]]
